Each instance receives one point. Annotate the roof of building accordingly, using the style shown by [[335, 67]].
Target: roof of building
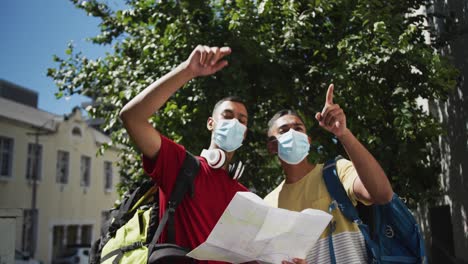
[[28, 115], [44, 120], [18, 93]]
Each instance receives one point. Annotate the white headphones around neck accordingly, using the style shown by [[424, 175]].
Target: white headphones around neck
[[216, 159]]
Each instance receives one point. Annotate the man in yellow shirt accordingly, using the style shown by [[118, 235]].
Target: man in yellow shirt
[[363, 179]]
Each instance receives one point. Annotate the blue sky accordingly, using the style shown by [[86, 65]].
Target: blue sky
[[32, 31]]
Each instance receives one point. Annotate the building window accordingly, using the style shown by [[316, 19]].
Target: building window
[[86, 234], [73, 235], [85, 170], [107, 176], [34, 163], [76, 131], [6, 156], [63, 160], [65, 236], [58, 240]]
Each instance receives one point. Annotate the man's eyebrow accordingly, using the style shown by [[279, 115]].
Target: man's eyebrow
[[242, 115], [227, 111], [291, 124], [230, 111]]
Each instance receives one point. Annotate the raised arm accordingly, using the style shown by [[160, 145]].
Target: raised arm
[[203, 61], [372, 185]]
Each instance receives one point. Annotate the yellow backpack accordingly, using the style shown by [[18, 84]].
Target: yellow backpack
[[132, 233]]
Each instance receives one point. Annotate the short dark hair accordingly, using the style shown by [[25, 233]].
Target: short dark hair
[[232, 98], [281, 113]]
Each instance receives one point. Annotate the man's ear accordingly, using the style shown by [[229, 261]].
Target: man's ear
[[272, 147], [210, 123], [310, 140]]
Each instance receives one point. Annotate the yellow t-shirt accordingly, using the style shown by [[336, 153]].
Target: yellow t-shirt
[[311, 192]]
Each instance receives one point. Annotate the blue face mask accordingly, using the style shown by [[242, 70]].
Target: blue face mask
[[229, 134], [293, 146]]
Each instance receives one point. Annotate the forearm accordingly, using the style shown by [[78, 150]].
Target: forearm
[[155, 95], [203, 61], [135, 114], [373, 178]]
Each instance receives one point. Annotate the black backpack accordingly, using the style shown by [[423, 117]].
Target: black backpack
[[134, 228]]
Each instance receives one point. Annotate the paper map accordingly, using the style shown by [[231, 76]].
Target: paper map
[[251, 230]]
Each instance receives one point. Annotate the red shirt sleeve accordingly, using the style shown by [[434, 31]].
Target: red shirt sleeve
[[165, 167]]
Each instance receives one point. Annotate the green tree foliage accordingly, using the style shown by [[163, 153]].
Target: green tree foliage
[[285, 53]]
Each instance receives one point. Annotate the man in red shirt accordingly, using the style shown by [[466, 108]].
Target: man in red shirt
[[162, 158]]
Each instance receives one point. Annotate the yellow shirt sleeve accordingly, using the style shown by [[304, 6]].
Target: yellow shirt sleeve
[[348, 174]]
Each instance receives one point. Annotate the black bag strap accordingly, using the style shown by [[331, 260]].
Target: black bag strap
[[183, 184], [162, 251]]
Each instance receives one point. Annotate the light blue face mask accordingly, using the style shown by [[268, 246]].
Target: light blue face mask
[[229, 134], [293, 146]]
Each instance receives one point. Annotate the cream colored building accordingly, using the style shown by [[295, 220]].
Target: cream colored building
[[74, 187]]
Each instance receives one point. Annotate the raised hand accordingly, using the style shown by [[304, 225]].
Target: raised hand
[[332, 117], [206, 60]]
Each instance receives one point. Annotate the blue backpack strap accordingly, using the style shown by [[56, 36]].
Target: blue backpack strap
[[331, 229], [340, 198], [337, 191]]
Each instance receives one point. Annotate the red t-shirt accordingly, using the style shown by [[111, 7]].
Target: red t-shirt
[[194, 217]]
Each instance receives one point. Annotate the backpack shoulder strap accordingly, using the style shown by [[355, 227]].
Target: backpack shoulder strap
[[337, 192], [184, 181], [341, 200], [183, 184]]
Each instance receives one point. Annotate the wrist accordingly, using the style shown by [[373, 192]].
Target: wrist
[[186, 71], [345, 135]]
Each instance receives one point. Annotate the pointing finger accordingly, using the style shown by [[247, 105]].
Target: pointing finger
[[330, 94], [329, 99]]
